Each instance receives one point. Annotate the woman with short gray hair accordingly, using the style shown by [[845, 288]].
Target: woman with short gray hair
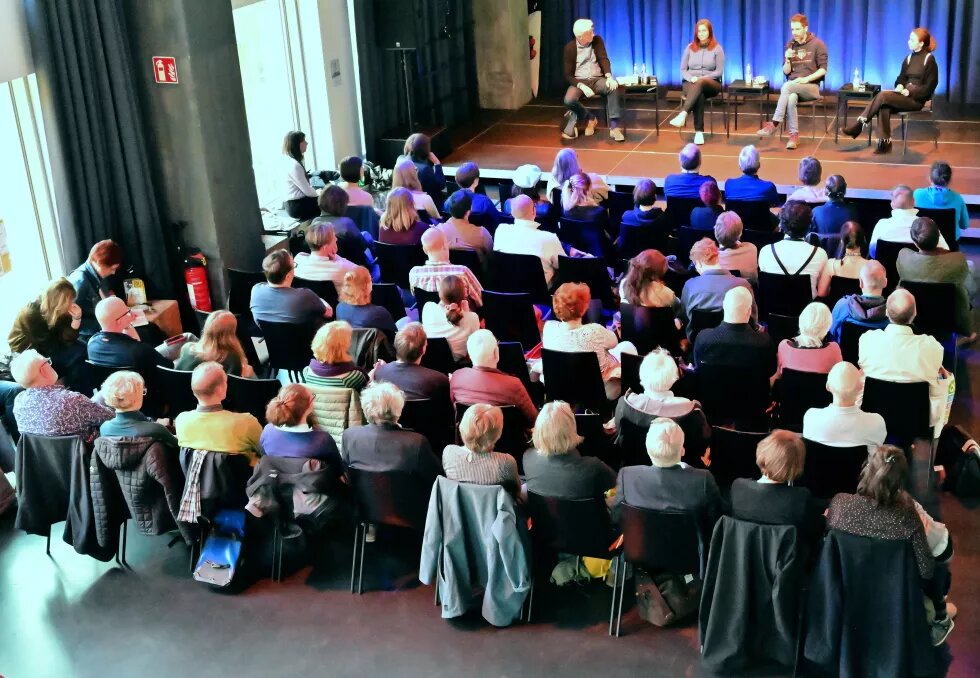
[[123, 391], [810, 351], [749, 187], [733, 254], [812, 190], [475, 461]]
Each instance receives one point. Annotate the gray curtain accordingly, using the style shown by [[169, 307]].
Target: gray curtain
[[86, 81]]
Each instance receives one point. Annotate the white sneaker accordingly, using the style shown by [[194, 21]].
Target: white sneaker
[[699, 138], [679, 119]]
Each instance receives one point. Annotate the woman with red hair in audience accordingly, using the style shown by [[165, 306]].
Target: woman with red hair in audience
[[704, 218]]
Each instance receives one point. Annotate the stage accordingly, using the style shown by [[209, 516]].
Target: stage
[[499, 141]]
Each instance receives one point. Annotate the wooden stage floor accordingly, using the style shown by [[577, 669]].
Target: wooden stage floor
[[499, 141]]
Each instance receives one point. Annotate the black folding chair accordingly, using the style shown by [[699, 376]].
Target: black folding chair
[[251, 395], [587, 236], [392, 498], [595, 442], [438, 356], [702, 319], [396, 261], [471, 260], [733, 454], [519, 273], [618, 203], [98, 372], [630, 369], [841, 287], [240, 284], [935, 308], [686, 237], [422, 297], [510, 316], [783, 294], [591, 272], [324, 289], [432, 419], [175, 387], [850, 337], [679, 210], [755, 215], [828, 470], [388, 296], [905, 408], [574, 378], [734, 393], [649, 328], [799, 392], [512, 361], [514, 438], [782, 327], [886, 252], [636, 239], [289, 346], [946, 221], [760, 238], [365, 218], [43, 497]]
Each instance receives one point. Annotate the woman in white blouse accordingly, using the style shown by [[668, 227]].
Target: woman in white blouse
[[300, 196], [451, 318], [406, 175]]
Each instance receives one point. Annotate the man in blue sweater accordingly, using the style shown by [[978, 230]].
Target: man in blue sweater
[[687, 184], [482, 211]]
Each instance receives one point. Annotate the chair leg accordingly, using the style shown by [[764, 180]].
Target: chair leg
[[47, 547], [360, 574], [530, 602], [275, 551], [622, 593], [353, 559], [438, 577], [125, 538], [905, 135]]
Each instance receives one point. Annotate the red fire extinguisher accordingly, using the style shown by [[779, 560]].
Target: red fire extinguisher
[[196, 278]]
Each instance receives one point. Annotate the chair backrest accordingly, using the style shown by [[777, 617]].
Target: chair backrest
[[387, 295], [886, 252], [703, 319], [240, 284], [905, 408], [799, 391], [422, 297], [717, 386], [432, 419], [97, 374], [574, 378], [664, 541], [519, 273], [935, 307], [512, 361], [782, 327], [760, 238], [630, 369], [592, 272], [588, 236], [251, 395], [618, 203], [635, 239], [649, 328], [389, 498], [783, 294], [679, 210], [831, 470], [733, 454], [510, 316], [828, 242], [946, 221], [686, 237], [324, 289], [595, 442], [175, 387], [513, 437], [396, 261], [755, 214], [438, 356], [580, 527], [366, 219], [202, 317], [289, 344], [471, 260], [43, 479], [841, 287], [850, 336]]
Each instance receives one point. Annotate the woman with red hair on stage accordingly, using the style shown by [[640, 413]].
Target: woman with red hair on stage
[[702, 68]]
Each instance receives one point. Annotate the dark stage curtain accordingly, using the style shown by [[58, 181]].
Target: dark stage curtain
[[869, 35], [86, 79]]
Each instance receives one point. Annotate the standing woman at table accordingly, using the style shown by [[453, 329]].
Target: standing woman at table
[[914, 86], [300, 196], [702, 68]]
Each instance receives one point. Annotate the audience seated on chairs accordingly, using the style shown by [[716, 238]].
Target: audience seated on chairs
[[810, 351], [332, 365], [475, 461], [218, 343], [643, 283], [382, 445], [524, 237], [811, 191], [733, 254], [843, 423], [460, 233], [418, 149], [669, 484], [451, 318], [934, 265], [644, 212], [526, 179], [351, 241], [939, 196], [123, 391], [882, 509], [577, 201], [405, 175], [482, 209], [829, 217], [484, 383], [118, 344], [773, 500], [351, 174], [658, 374], [290, 431], [849, 260], [428, 275], [866, 309], [50, 325], [734, 342], [793, 255], [687, 184], [322, 262], [277, 301], [414, 380], [211, 427], [89, 281], [400, 223], [704, 218], [706, 291], [898, 227], [749, 187], [566, 165], [554, 467], [46, 408], [569, 334], [897, 354], [355, 304]]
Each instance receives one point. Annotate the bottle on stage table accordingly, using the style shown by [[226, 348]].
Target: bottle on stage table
[[856, 83], [748, 74], [643, 73]]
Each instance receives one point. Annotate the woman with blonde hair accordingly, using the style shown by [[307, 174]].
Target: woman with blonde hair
[[475, 461], [577, 201], [406, 175], [291, 429], [355, 304], [332, 364], [451, 318], [566, 164], [50, 325], [218, 343], [554, 468], [810, 351], [400, 223]]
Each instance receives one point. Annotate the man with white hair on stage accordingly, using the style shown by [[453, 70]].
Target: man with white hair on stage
[[588, 73]]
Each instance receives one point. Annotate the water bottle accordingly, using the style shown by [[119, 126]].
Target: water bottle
[[636, 73], [856, 83], [748, 74], [643, 73]]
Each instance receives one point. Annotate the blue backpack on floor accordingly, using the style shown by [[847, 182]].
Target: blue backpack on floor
[[221, 552]]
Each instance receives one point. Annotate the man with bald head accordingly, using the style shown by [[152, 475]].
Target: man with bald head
[[118, 344], [866, 309], [842, 423], [897, 227], [428, 276], [687, 184], [211, 427], [898, 355], [524, 237], [734, 342]]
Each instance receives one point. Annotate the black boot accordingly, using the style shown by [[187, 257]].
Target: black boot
[[884, 146], [854, 129]]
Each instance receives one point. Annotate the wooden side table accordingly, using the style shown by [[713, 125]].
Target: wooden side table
[[165, 314], [738, 93], [847, 94]]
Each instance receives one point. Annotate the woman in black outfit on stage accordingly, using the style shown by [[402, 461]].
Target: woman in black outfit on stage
[[913, 88]]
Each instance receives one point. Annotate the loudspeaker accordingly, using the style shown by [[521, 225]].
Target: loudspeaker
[[397, 23]]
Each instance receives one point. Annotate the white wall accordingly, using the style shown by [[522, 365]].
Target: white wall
[[16, 61]]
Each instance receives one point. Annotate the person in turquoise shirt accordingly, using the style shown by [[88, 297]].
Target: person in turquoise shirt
[[123, 391], [940, 196]]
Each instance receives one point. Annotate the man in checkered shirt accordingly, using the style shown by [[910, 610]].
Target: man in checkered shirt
[[428, 275]]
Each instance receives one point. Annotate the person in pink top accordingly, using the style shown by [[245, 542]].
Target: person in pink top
[[811, 351]]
